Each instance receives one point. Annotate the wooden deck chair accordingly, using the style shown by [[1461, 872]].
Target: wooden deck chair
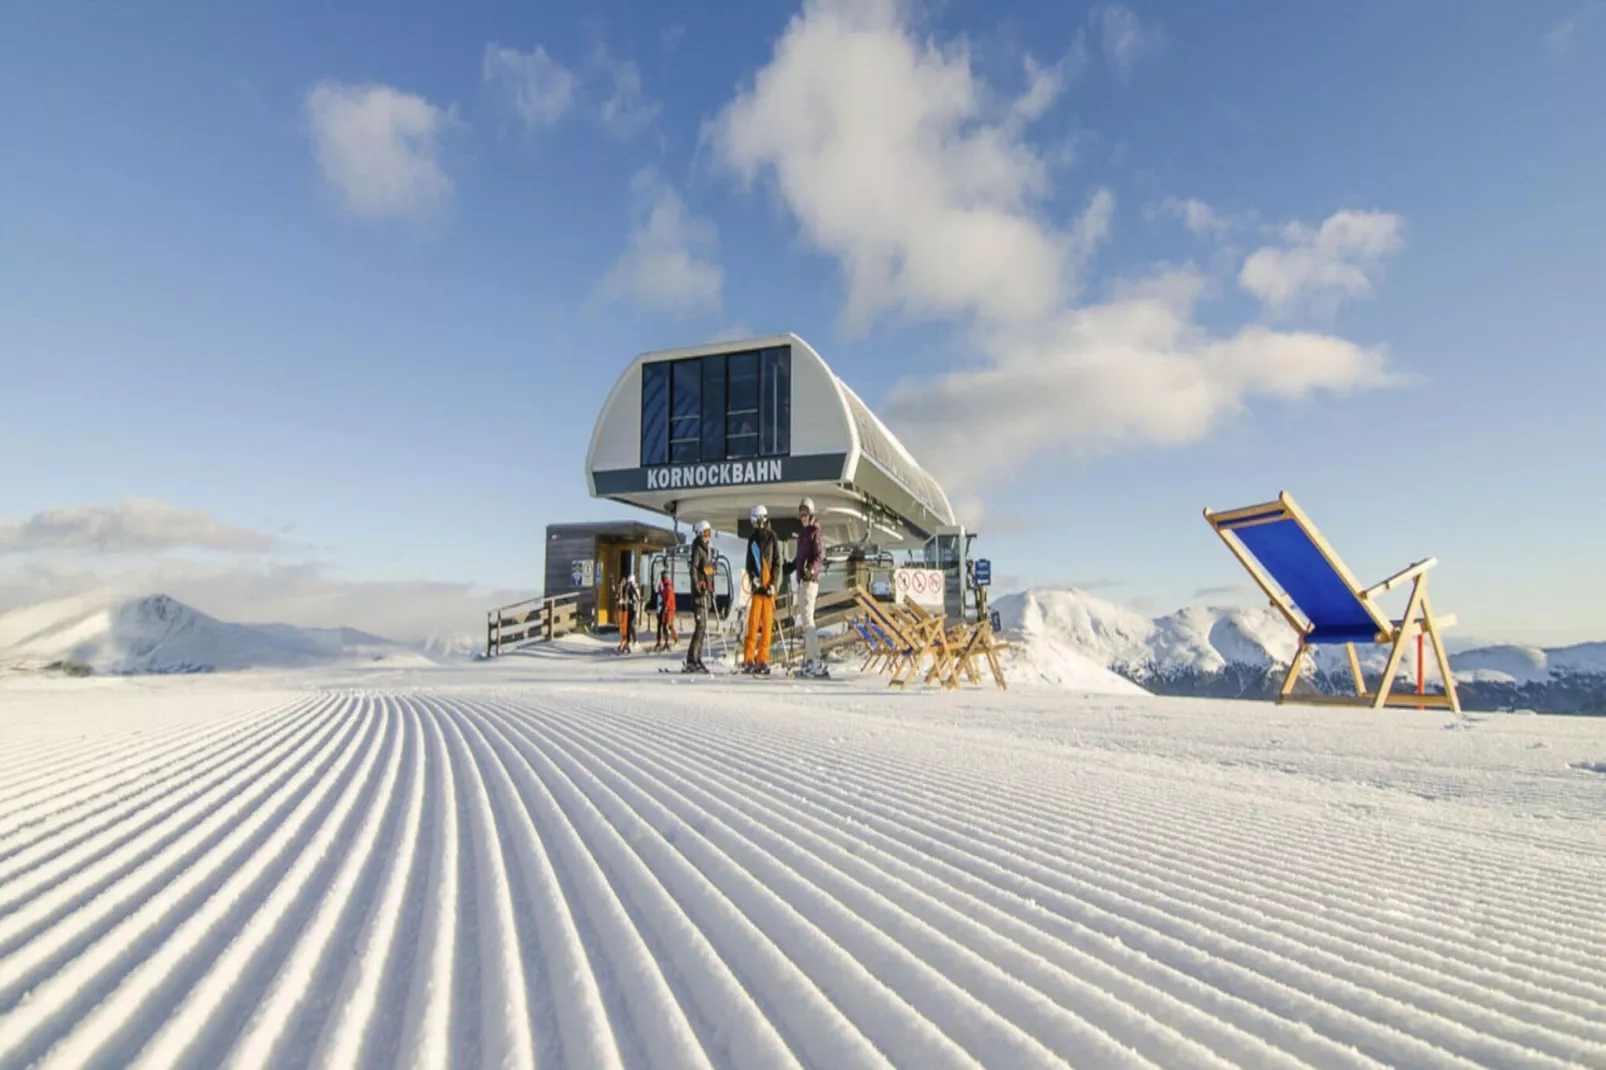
[[905, 652], [1322, 601], [933, 630], [878, 645], [977, 641]]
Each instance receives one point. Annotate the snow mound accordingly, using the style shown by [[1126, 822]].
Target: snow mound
[[1058, 640], [117, 635]]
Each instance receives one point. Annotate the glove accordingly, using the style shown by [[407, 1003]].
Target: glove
[[789, 568]]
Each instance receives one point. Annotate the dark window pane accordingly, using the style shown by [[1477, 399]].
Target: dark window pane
[[743, 394], [685, 410], [686, 393], [713, 408], [775, 408], [741, 405], [654, 413]]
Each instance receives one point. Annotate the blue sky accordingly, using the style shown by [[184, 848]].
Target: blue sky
[[308, 313]]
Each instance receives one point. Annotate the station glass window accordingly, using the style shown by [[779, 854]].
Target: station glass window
[[685, 411], [654, 414], [722, 407]]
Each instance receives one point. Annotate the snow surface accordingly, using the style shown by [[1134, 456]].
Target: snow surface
[[156, 634], [568, 859]]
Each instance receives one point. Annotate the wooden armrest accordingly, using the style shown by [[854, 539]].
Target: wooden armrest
[[1400, 577]]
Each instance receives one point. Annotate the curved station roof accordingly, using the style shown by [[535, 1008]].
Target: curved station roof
[[706, 433]]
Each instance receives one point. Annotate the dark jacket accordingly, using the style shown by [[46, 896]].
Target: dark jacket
[[763, 556], [702, 573], [630, 594], [810, 553]]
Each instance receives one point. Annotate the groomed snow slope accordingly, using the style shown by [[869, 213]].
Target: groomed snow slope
[[115, 634], [573, 861]]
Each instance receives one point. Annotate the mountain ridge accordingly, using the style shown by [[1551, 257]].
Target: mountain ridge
[[120, 635]]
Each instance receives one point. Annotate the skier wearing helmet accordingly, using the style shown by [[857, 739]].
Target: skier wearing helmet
[[764, 575], [806, 565], [702, 593]]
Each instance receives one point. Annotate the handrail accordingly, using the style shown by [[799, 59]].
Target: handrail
[[545, 620]]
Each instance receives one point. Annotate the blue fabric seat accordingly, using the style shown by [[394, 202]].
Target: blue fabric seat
[[1321, 599]]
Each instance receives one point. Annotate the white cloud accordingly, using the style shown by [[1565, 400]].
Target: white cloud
[[931, 202], [1196, 215], [304, 594], [380, 147], [666, 262], [539, 89], [1340, 260], [1124, 37], [923, 200], [626, 110], [1131, 371], [138, 525]]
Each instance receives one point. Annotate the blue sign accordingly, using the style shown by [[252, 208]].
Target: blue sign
[[993, 619], [984, 573]]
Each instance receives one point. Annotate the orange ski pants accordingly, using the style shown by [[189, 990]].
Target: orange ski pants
[[760, 619]]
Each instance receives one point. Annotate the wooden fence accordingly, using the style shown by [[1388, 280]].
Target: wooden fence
[[529, 621]]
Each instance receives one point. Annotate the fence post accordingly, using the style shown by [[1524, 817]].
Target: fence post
[[546, 617], [490, 634]]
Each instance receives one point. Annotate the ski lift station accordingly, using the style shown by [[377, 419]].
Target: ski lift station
[[706, 433]]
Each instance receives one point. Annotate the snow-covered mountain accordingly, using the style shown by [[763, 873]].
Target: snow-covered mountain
[[119, 635], [1119, 638], [1208, 639], [1518, 664]]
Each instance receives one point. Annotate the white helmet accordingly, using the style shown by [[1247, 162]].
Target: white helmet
[[758, 515], [806, 506], [703, 527]]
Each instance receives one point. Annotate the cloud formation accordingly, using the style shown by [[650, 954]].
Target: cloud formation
[[305, 594], [1196, 215], [1123, 36], [379, 147], [667, 261], [1322, 267], [138, 525], [625, 110], [536, 87], [933, 203], [924, 199]]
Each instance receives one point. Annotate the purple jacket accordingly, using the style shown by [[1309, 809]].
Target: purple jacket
[[810, 553]]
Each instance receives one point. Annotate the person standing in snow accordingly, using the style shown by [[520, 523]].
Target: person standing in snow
[[629, 612], [805, 567], [666, 613], [702, 593], [763, 569]]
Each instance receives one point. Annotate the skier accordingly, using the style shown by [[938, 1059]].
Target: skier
[[764, 575], [806, 566], [629, 611], [702, 594], [667, 638]]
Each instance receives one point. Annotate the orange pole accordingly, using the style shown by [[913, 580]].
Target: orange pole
[[1419, 665]]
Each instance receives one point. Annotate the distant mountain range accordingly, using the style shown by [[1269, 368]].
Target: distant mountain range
[[119, 635], [1218, 651]]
